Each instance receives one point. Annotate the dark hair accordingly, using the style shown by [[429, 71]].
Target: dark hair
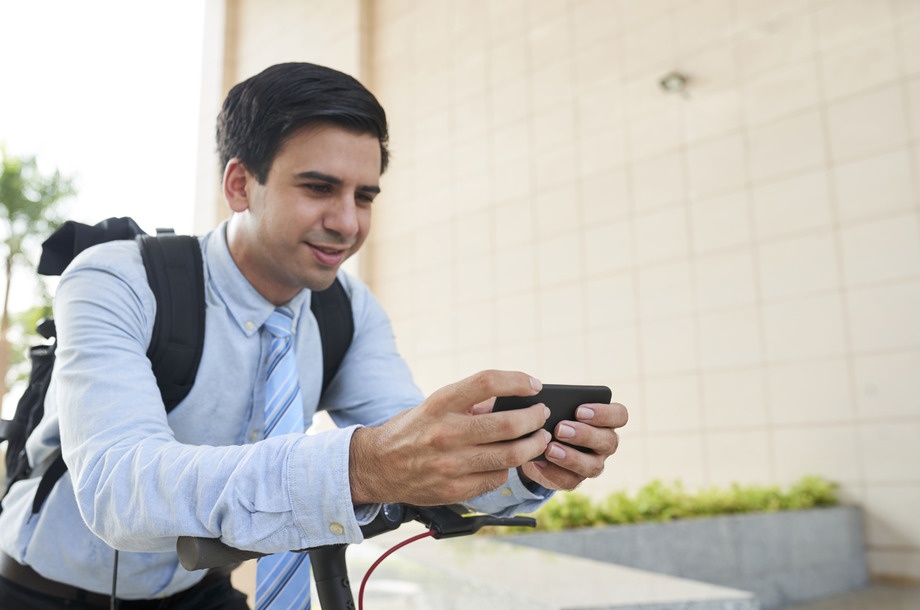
[[264, 110]]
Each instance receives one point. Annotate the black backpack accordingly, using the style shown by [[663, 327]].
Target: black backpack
[[175, 273]]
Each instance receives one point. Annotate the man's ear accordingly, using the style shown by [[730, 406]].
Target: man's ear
[[237, 183]]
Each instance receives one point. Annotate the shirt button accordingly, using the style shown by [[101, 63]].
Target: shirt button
[[254, 436], [337, 529], [249, 325], [506, 492]]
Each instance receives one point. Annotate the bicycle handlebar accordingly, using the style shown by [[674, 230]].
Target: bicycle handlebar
[[444, 521]]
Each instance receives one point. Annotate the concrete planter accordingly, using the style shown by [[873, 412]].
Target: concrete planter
[[784, 558]]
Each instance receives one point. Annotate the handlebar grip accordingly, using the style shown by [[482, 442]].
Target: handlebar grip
[[201, 553]]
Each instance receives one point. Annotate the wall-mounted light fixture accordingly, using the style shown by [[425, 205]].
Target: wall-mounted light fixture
[[674, 82]]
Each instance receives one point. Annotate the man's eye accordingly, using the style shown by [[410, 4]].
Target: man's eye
[[318, 188]]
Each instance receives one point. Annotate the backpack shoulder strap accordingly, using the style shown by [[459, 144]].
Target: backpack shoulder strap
[[176, 276], [332, 309]]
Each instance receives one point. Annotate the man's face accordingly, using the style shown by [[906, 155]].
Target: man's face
[[312, 213]]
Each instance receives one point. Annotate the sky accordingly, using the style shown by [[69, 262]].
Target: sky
[[108, 92]]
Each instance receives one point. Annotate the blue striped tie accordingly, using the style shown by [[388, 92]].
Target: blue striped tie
[[282, 579]]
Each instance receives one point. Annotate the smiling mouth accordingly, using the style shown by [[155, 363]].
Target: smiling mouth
[[329, 256]]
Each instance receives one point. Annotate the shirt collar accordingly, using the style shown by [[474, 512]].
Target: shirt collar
[[245, 305]]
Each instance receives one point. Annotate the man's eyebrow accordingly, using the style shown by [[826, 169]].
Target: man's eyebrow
[[314, 175]]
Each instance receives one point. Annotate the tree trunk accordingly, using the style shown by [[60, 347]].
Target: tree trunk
[[4, 328]]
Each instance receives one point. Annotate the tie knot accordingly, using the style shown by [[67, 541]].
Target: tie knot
[[280, 322]]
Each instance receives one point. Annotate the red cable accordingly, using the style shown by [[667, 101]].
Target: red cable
[[381, 558]]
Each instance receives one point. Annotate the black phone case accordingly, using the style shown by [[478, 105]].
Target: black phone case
[[562, 401]]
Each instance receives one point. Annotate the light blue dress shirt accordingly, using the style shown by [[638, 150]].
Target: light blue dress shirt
[[138, 479]]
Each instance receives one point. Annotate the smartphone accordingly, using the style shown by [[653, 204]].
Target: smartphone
[[562, 401]]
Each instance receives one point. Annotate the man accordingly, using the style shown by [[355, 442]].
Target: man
[[303, 148]]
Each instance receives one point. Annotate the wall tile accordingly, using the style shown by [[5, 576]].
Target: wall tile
[[791, 205], [608, 247], [665, 291], [752, 13], [601, 150], [551, 84], [811, 392], [890, 452], [612, 354], [782, 41], [793, 450], [734, 398], [563, 357], [712, 106], [557, 211], [738, 456], [658, 182], [473, 279], [892, 517], [661, 236], [781, 92], [611, 301], [882, 317], [720, 222], [509, 101], [668, 346], [552, 127], [875, 186], [593, 22], [888, 384], [648, 47], [730, 339], [515, 319], [909, 44], [724, 280], [913, 90], [702, 24], [677, 457], [804, 329], [717, 166], [513, 222], [851, 135], [859, 66], [559, 260], [561, 309], [880, 250], [515, 269], [656, 134], [672, 403], [605, 196], [793, 144], [845, 21], [798, 266], [555, 167]]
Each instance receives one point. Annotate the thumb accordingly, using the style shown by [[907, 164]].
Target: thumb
[[463, 395]]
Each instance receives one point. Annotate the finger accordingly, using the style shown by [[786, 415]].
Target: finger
[[585, 465], [551, 476], [613, 415], [507, 425], [461, 396], [505, 455], [483, 407], [602, 441]]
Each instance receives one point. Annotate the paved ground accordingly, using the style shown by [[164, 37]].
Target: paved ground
[[876, 597]]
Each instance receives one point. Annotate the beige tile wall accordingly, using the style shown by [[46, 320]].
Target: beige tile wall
[[741, 264]]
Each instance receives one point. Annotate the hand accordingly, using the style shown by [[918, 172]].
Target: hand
[[449, 448], [565, 467]]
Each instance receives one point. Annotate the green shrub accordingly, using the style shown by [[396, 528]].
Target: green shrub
[[659, 501]]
